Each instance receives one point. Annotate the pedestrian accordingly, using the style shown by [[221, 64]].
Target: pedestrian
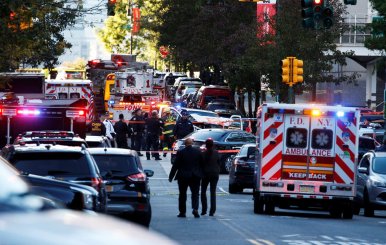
[[211, 173], [96, 127], [137, 126], [167, 133], [153, 131], [183, 126], [110, 132], [187, 170], [121, 130]]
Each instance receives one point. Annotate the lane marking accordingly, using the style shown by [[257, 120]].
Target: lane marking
[[222, 190], [254, 242]]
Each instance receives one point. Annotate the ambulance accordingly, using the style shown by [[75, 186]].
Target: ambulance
[[71, 89], [132, 90], [306, 157]]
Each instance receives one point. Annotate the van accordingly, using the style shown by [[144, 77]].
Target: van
[[208, 93]]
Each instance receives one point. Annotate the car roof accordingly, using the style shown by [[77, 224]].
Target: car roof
[[111, 151], [379, 153], [47, 148]]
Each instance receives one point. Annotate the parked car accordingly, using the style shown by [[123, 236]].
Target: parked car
[[242, 169], [224, 139], [67, 163], [127, 183], [67, 194], [209, 93], [365, 144], [169, 80], [50, 137], [96, 141], [185, 88], [371, 182], [224, 108]]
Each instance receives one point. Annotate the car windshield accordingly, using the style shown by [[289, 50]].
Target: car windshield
[[203, 113], [379, 165], [221, 106], [118, 165], [202, 135], [52, 163]]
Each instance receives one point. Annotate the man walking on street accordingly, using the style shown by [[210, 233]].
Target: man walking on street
[[110, 132], [137, 126], [183, 126], [121, 130], [188, 166], [153, 131]]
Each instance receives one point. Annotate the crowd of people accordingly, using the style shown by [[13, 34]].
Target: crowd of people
[[150, 133]]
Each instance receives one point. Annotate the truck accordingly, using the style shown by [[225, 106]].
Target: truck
[[306, 157], [132, 90]]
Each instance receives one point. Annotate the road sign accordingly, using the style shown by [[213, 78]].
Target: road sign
[[9, 112]]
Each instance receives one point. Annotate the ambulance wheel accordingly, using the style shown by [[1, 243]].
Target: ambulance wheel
[[348, 213], [270, 207], [258, 206], [356, 209]]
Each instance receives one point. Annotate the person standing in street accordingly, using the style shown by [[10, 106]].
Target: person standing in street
[[169, 123], [187, 170], [153, 131], [110, 132], [122, 131], [211, 173], [137, 126], [96, 127], [183, 126]]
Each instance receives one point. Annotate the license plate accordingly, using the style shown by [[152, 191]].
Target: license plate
[[307, 188], [109, 188]]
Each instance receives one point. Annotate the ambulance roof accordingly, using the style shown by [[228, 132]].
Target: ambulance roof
[[68, 81], [309, 106]]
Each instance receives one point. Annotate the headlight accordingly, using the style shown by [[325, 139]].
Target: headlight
[[378, 183]]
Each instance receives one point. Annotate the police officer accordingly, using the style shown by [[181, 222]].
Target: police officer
[[121, 130], [169, 123], [97, 128], [110, 132], [154, 128], [137, 126], [183, 126]]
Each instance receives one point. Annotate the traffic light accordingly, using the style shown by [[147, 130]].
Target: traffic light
[[111, 7], [307, 13], [352, 2], [327, 16], [317, 6], [297, 71], [285, 71]]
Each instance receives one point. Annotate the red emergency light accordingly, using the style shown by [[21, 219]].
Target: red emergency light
[[28, 112], [81, 113]]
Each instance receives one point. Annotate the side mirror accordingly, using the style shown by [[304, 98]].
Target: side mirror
[[149, 173], [363, 170]]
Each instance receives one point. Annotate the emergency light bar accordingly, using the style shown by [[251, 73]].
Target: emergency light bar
[[312, 112], [28, 112]]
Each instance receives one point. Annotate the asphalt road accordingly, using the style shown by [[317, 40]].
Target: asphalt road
[[235, 222]]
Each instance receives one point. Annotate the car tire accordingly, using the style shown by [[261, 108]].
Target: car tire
[[258, 206], [368, 209], [270, 207], [228, 164], [336, 211], [222, 166], [348, 211]]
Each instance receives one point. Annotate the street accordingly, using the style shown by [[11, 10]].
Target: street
[[235, 223]]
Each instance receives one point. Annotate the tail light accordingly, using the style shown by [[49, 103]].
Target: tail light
[[239, 163], [81, 113], [96, 183], [139, 177]]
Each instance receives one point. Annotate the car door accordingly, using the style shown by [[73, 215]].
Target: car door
[[362, 178]]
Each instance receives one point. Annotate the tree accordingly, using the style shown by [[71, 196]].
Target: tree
[[378, 39], [34, 31]]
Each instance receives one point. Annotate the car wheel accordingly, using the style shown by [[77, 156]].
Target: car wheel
[[369, 210], [222, 166], [270, 207], [233, 189], [336, 211], [258, 205], [228, 164], [348, 212]]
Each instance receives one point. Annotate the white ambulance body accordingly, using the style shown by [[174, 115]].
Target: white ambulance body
[[71, 89], [307, 157], [132, 90]]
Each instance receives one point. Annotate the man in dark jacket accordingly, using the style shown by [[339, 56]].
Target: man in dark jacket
[[153, 131], [121, 131], [188, 166], [183, 126], [137, 126]]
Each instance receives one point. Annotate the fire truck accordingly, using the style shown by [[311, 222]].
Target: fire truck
[[307, 156], [132, 90], [71, 89], [18, 116]]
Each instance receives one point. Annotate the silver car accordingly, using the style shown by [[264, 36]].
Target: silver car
[[371, 182]]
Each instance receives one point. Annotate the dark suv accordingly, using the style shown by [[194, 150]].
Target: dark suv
[[68, 163], [127, 183]]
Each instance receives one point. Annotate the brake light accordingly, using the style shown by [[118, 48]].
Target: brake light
[[28, 112], [96, 183], [81, 113], [139, 177]]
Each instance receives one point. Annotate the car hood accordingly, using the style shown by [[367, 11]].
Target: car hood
[[53, 227]]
